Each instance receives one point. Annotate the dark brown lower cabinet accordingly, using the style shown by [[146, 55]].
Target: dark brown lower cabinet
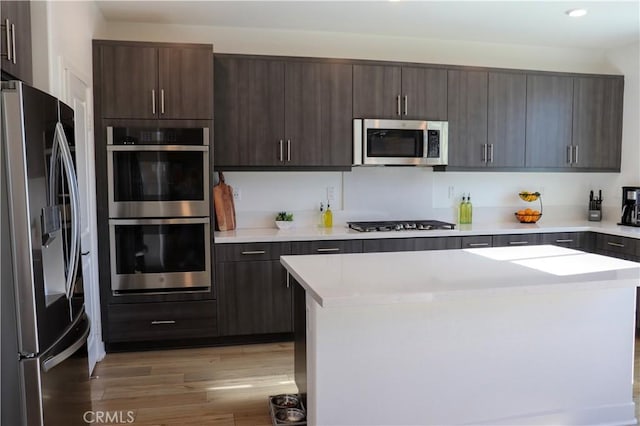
[[477, 241], [578, 240], [411, 244], [515, 240], [253, 298], [135, 322]]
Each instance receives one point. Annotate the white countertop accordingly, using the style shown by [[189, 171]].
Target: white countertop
[[425, 276], [256, 235]]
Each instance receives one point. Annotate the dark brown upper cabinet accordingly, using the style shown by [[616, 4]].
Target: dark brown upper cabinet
[[467, 111], [15, 41], [276, 113], [506, 120], [386, 91], [155, 81], [597, 122], [549, 121]]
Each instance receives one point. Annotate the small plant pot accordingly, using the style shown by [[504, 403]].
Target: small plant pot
[[284, 224]]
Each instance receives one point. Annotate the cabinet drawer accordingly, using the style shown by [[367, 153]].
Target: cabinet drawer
[[390, 244], [515, 240], [438, 243], [563, 239], [478, 241], [326, 247], [160, 321], [626, 248], [251, 251]]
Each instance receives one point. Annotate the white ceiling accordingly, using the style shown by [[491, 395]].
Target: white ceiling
[[608, 24]]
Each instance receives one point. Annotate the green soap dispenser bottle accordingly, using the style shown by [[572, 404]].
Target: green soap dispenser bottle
[[469, 210], [462, 211], [328, 217]]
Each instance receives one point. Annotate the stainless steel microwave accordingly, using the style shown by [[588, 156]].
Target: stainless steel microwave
[[400, 142]]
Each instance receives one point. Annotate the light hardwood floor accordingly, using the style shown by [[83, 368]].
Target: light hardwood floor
[[208, 386], [203, 386]]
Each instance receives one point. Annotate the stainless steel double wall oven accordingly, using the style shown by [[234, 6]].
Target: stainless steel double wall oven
[[158, 191]]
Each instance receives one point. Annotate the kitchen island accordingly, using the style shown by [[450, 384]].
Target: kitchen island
[[500, 336]]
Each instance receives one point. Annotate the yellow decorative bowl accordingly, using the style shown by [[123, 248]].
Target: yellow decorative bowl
[[529, 196], [528, 217]]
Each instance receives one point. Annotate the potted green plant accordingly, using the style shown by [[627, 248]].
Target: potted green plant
[[284, 220]]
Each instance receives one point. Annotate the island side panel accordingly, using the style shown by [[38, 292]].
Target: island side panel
[[300, 336], [553, 358]]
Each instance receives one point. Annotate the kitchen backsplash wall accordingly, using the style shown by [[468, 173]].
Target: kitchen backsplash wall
[[414, 193]]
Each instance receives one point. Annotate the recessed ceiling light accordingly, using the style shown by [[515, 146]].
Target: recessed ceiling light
[[576, 13]]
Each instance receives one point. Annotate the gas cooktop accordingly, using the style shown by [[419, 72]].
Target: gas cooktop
[[400, 225]]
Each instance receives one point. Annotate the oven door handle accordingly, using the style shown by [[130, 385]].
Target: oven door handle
[[194, 148], [163, 221]]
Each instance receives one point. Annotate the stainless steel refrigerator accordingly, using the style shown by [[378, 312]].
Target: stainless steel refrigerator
[[44, 370]]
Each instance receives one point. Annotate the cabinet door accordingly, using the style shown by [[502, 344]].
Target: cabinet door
[[376, 91], [478, 241], [467, 115], [326, 247], [563, 239], [185, 83], [438, 243], [20, 66], [388, 244], [318, 106], [249, 109], [506, 119], [515, 240], [129, 81], [549, 120], [424, 93], [597, 122], [253, 298]]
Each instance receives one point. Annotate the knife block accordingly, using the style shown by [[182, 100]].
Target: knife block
[[595, 215]]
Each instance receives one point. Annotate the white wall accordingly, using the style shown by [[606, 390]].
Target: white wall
[[415, 192], [61, 36]]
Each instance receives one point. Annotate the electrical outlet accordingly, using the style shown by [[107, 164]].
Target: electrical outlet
[[237, 194], [451, 191], [331, 193]]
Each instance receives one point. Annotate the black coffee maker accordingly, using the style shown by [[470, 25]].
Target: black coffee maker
[[630, 206]]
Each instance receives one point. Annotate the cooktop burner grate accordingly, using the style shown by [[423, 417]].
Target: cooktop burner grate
[[400, 225]]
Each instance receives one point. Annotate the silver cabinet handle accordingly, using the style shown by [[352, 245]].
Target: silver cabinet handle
[[478, 244], [609, 243], [484, 152], [564, 241], [288, 149], [7, 31], [160, 322], [490, 153], [406, 103], [398, 104], [161, 101], [250, 252], [327, 250], [288, 275], [575, 147], [13, 42], [153, 101], [570, 154], [518, 243], [281, 158]]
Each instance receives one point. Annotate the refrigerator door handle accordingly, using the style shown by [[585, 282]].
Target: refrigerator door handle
[[54, 359], [60, 140]]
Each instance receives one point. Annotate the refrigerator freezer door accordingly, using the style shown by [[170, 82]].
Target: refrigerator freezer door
[[61, 393]]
